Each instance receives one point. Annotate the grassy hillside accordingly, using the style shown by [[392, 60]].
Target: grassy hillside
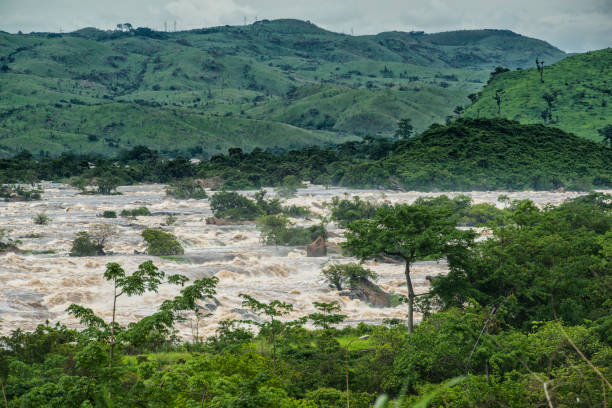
[[245, 85], [580, 87]]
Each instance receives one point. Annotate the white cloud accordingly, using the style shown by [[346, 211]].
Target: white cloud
[[572, 25]]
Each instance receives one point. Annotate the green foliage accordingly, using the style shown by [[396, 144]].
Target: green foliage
[[186, 189], [234, 206], [161, 243], [170, 219], [19, 193], [345, 211], [537, 262], [85, 245], [338, 275], [578, 87], [289, 186], [109, 214], [105, 91], [136, 212], [277, 230], [41, 219]]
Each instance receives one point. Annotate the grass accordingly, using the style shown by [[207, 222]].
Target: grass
[[174, 258], [207, 90], [583, 88]]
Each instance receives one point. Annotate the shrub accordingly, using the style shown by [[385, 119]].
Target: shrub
[[84, 245], [170, 219], [296, 211], [277, 230], [19, 193], [41, 219], [234, 206], [6, 242], [338, 275], [345, 211], [161, 243], [185, 189], [92, 242], [140, 211], [289, 186], [109, 214]]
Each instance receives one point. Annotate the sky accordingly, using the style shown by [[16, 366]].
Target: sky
[[571, 25]]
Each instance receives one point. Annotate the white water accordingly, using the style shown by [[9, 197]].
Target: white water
[[34, 288]]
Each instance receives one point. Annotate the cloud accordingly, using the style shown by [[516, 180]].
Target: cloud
[[569, 24], [200, 13]]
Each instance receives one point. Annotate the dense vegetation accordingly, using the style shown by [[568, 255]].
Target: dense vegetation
[[522, 319], [282, 83], [574, 94], [479, 154]]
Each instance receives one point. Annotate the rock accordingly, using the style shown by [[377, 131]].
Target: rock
[[368, 292], [317, 248], [211, 182], [216, 221]]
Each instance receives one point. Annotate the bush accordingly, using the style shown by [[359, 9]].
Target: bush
[[160, 243], [296, 211], [140, 211], [338, 275], [289, 186], [277, 230], [84, 245], [109, 214], [41, 219], [92, 243], [345, 211], [233, 206], [18, 193], [170, 219], [186, 189]]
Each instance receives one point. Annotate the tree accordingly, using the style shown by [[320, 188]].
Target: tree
[[326, 315], [498, 99], [147, 278], [107, 184], [289, 186], [404, 129], [410, 232], [273, 310], [161, 243], [606, 134], [540, 66]]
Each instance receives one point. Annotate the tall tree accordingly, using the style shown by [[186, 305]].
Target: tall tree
[[410, 232], [404, 129], [498, 99], [606, 134], [540, 66]]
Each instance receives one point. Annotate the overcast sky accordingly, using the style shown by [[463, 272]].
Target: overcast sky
[[572, 25]]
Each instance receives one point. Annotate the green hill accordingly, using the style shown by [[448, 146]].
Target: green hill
[[579, 88], [488, 154], [281, 83]]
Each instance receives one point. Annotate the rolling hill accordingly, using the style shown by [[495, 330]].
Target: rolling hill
[[579, 89], [281, 83]]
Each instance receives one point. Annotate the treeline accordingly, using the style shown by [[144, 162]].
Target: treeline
[[468, 154], [522, 319]]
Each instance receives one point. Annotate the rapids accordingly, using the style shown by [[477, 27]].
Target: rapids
[[41, 282]]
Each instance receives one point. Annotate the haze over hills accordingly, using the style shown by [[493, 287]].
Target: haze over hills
[[281, 83], [578, 89]]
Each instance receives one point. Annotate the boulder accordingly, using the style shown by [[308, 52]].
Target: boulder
[[368, 292], [317, 248]]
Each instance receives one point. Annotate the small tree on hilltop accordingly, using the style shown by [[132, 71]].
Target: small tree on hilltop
[[404, 129], [410, 232], [540, 66], [498, 99]]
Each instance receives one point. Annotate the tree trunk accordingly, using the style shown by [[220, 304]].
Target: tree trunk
[[4, 395], [112, 339], [411, 297]]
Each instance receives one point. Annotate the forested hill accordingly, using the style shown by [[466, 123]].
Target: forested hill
[[489, 154], [574, 94], [282, 83]]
